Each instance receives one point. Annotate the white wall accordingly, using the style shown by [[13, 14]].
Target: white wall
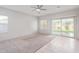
[[69, 13], [19, 24]]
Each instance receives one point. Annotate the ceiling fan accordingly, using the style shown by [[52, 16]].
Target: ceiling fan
[[38, 8]]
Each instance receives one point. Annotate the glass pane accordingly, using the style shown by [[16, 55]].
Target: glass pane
[[63, 27], [56, 26], [43, 24], [68, 27], [3, 19], [3, 24]]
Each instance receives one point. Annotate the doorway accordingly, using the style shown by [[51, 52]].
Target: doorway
[[63, 26]]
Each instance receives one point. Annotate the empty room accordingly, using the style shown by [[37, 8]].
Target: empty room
[[39, 29]]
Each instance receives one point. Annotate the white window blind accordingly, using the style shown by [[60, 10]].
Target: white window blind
[[3, 24]]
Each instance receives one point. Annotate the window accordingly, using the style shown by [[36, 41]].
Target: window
[[3, 24], [68, 27], [56, 26], [64, 26], [60, 26], [43, 24]]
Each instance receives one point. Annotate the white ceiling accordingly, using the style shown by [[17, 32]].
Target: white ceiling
[[50, 9]]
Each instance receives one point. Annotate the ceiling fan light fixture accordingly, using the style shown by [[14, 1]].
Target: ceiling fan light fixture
[[38, 10]]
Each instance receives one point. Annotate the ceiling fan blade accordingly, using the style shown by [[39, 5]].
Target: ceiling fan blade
[[39, 6]]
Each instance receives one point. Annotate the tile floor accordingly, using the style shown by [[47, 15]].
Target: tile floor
[[40, 44], [61, 45]]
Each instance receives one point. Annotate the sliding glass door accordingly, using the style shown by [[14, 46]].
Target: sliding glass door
[[61, 26], [68, 27], [56, 26], [64, 26]]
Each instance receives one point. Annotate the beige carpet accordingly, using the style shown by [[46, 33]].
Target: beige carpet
[[24, 45]]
